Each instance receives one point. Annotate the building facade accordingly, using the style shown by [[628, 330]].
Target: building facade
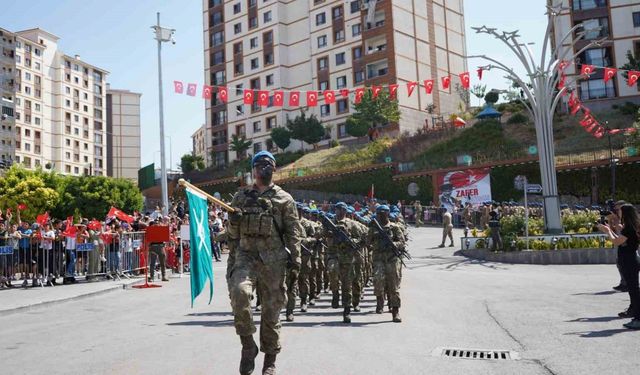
[[201, 144], [315, 45], [123, 133], [618, 21], [58, 106]]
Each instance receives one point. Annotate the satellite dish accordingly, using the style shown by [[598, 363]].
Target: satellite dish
[[413, 189]]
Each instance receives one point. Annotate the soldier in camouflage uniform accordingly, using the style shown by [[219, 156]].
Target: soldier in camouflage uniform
[[306, 283], [262, 231], [318, 262], [359, 265], [387, 268]]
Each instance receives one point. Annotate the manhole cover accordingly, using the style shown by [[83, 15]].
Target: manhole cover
[[501, 355]]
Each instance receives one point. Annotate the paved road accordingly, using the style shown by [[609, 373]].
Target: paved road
[[560, 319]]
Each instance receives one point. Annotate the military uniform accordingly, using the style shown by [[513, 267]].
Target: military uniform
[[306, 283], [359, 265]]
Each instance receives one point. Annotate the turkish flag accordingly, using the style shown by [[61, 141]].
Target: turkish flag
[[393, 91], [428, 85], [587, 121], [465, 80], [278, 98], [592, 126], [587, 70], [480, 71], [22, 207], [94, 225], [191, 89], [248, 96], [178, 87], [42, 219], [599, 132], [461, 179], [562, 65], [376, 91], [223, 93], [359, 95], [329, 97], [609, 73], [312, 98], [459, 122], [615, 131], [206, 91], [572, 99], [562, 81], [633, 76], [344, 93], [114, 212], [410, 87], [294, 98], [576, 107], [446, 81], [263, 98], [70, 230]]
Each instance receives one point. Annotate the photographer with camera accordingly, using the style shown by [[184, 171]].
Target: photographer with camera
[[625, 236], [612, 215]]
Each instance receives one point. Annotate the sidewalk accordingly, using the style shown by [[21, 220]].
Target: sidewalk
[[19, 299]]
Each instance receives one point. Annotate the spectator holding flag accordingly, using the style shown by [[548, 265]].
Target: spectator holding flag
[[70, 244]]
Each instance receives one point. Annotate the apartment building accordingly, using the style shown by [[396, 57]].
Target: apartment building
[[58, 104], [123, 134], [315, 45], [619, 22], [201, 144]]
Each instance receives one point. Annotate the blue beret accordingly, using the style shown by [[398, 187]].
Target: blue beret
[[341, 205], [382, 207], [350, 210], [262, 154]]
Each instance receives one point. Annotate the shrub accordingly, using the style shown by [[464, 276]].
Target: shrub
[[629, 108], [518, 118]]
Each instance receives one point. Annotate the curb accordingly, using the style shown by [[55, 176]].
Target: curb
[[69, 299], [545, 257]]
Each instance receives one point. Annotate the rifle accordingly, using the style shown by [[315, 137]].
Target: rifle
[[338, 233], [399, 253], [305, 249]]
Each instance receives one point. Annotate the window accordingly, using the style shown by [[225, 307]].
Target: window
[[27, 133], [27, 76], [36, 120], [254, 84], [338, 36], [322, 41], [67, 90], [76, 131], [68, 142], [267, 38], [321, 19], [596, 89], [355, 6], [588, 4], [217, 38], [85, 108], [356, 29], [336, 12], [341, 82], [252, 3], [237, 47], [37, 66], [636, 19], [254, 63], [27, 90], [340, 59], [257, 126], [323, 63], [268, 58], [269, 79], [97, 76], [597, 57], [97, 89], [27, 146], [596, 28], [218, 58], [342, 105], [269, 144], [325, 110], [324, 85], [253, 22], [358, 76], [237, 8], [271, 123], [76, 170], [218, 78], [237, 28], [216, 19], [266, 17], [238, 69], [257, 147], [342, 131], [253, 43], [67, 155]]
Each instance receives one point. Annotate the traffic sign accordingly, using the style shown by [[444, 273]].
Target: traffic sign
[[534, 189]]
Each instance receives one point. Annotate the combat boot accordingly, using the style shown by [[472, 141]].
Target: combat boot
[[335, 302], [249, 354], [289, 315], [395, 314], [303, 304], [269, 366], [346, 315], [312, 300], [356, 308], [379, 305]]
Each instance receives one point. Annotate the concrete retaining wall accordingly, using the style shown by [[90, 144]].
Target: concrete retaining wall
[[571, 256]]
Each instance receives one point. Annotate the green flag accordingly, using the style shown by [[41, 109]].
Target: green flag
[[200, 267]]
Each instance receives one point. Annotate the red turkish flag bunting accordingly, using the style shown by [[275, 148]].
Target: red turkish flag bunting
[[562, 81], [480, 71], [263, 98], [114, 212], [587, 70], [248, 96], [312, 98], [359, 95], [410, 87], [376, 91], [587, 121], [465, 80], [191, 89], [562, 65], [446, 81], [393, 91], [294, 98], [178, 87], [329, 97], [609, 73], [278, 98], [633, 76], [576, 107], [344, 93], [206, 91], [223, 94], [615, 131], [599, 132], [428, 86]]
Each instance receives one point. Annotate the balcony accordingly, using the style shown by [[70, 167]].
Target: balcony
[[377, 69], [378, 21], [377, 44]]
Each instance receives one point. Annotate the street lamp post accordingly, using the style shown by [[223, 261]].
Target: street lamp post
[[162, 35], [541, 95], [170, 152]]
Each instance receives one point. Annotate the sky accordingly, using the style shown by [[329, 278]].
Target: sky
[[116, 36]]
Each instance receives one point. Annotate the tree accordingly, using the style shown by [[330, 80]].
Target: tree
[[306, 129], [492, 97], [20, 186], [356, 128], [281, 137], [370, 112], [479, 91], [240, 145], [190, 163], [633, 63]]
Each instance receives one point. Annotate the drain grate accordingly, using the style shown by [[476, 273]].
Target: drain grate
[[500, 355]]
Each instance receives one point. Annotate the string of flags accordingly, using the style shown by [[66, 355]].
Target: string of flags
[[590, 123], [587, 70]]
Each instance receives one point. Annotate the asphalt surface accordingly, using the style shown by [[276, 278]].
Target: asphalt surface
[[558, 319]]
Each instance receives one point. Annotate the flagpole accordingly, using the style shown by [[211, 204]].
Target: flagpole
[[183, 182]]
